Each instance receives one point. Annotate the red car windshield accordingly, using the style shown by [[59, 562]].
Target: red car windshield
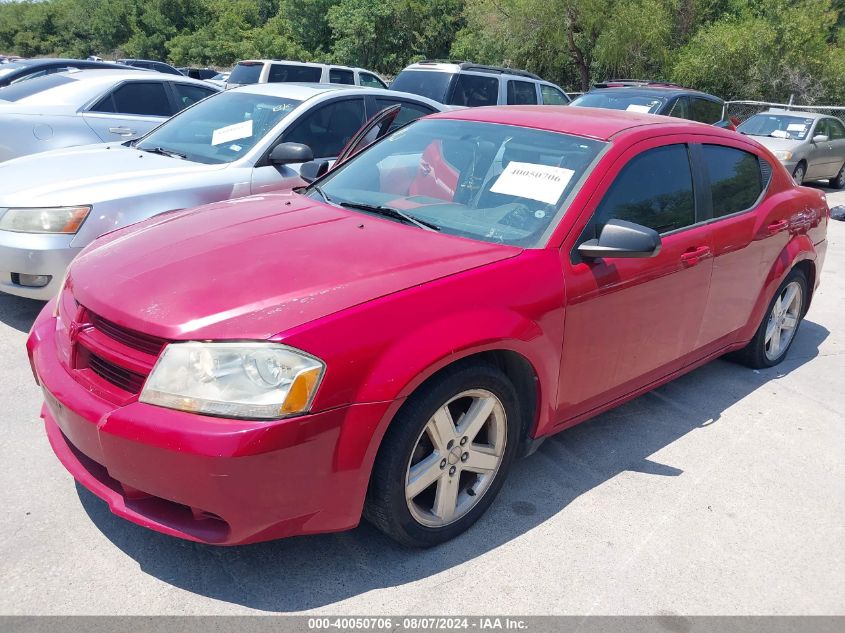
[[497, 183]]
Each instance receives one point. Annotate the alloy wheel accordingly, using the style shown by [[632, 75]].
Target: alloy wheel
[[798, 175], [783, 320], [456, 458]]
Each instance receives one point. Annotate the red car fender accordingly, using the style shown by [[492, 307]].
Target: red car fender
[[799, 248]]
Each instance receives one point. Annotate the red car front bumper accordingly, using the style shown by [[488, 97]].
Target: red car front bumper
[[207, 479]]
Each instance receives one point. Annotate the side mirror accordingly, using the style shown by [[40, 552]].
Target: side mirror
[[620, 238], [314, 169], [821, 138], [287, 153]]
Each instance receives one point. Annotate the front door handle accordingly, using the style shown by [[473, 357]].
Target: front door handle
[[777, 227], [694, 255], [122, 131]]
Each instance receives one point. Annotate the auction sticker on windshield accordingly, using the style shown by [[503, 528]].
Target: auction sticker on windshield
[[536, 182], [232, 133]]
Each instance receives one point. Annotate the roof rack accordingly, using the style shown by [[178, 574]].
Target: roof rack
[[482, 68], [624, 83]]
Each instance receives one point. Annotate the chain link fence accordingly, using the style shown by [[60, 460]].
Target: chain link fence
[[742, 110]]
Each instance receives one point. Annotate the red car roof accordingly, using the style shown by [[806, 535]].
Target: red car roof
[[597, 123]]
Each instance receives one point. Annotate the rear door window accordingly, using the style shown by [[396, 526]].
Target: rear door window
[[475, 90], [706, 111], [654, 189], [294, 72], [341, 76], [680, 108], [327, 129], [147, 98], [522, 93], [736, 180]]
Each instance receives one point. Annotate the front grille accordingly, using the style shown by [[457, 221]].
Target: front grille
[[118, 376], [113, 359], [145, 343]]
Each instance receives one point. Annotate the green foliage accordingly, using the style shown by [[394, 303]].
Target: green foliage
[[765, 49]]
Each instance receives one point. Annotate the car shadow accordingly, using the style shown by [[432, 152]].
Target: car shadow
[[18, 312], [308, 572]]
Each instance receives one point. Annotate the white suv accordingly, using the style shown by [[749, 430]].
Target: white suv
[[264, 71], [468, 84]]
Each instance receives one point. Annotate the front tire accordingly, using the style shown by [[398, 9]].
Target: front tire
[[445, 456], [777, 332], [800, 173]]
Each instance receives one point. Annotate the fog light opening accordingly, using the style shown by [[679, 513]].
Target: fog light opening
[[30, 281]]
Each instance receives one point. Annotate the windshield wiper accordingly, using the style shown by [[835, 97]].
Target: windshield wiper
[[390, 212], [162, 152]]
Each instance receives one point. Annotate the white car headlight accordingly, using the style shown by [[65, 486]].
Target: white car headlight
[[238, 380], [44, 219], [783, 155]]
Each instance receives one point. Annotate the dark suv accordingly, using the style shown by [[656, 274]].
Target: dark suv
[[656, 98]]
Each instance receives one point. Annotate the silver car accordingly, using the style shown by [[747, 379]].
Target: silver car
[[811, 146], [90, 106], [245, 141]]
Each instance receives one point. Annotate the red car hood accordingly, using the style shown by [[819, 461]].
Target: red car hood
[[255, 267]]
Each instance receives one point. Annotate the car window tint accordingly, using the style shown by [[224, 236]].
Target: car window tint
[[522, 93], [680, 108], [736, 181], [654, 189], [187, 95], [246, 73], [371, 81], [293, 72], [552, 96], [475, 90], [705, 111], [408, 113], [143, 99], [327, 129], [341, 76], [837, 130]]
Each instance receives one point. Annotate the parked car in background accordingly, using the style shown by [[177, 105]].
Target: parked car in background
[[250, 140], [90, 106], [468, 84], [199, 73], [262, 71], [219, 79], [811, 146], [25, 69], [389, 340], [149, 64], [657, 98]]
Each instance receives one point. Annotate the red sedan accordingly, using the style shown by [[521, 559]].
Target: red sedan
[[386, 341]]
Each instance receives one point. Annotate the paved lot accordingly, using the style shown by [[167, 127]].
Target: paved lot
[[720, 493]]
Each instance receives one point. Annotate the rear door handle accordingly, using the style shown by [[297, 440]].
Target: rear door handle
[[777, 227], [122, 131], [695, 255]]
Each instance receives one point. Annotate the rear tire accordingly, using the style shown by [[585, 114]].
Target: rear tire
[[799, 173], [780, 324], [445, 456], [839, 181]]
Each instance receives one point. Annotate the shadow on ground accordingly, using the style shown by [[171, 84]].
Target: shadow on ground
[[18, 312], [309, 572]]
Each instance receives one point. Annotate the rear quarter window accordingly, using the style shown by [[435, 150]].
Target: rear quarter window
[[736, 179], [293, 72]]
